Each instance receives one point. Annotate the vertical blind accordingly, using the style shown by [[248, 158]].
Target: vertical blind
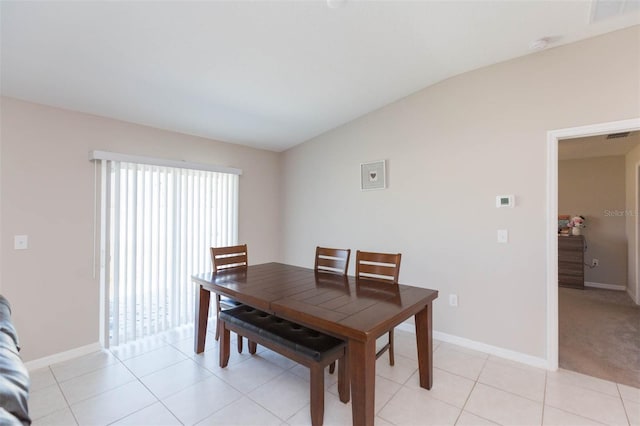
[[160, 223]]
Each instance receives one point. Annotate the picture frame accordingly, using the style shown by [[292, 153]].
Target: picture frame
[[563, 224], [373, 175]]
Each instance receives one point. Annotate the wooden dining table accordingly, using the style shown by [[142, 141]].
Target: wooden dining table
[[355, 310]]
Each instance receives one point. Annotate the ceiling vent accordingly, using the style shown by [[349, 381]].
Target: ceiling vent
[[618, 135]]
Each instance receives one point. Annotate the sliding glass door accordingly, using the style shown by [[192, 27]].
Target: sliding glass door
[[159, 223]]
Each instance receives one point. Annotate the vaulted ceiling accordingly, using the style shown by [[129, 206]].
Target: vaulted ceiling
[[268, 74]]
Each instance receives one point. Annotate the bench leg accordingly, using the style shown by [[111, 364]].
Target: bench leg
[[225, 342], [344, 381], [317, 395], [253, 347], [217, 317], [239, 344]]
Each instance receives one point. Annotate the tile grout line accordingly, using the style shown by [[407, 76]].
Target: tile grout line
[[544, 398], [486, 361], [305, 408], [575, 414], [119, 361], [86, 372], [269, 381], [147, 406], [578, 415], [92, 372], [64, 396], [589, 389], [58, 382], [246, 395], [448, 372], [475, 383], [624, 406], [137, 411], [243, 394], [512, 393], [389, 400]]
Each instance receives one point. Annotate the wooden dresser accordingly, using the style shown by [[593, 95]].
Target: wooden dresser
[[571, 261]]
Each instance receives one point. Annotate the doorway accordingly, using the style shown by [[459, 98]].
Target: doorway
[[597, 319], [553, 138]]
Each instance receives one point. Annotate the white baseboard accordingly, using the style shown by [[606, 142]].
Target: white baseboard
[[62, 356], [605, 286], [483, 347]]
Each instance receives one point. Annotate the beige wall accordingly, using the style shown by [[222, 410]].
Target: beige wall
[[48, 193], [595, 189], [451, 148], [2, 241], [631, 213]]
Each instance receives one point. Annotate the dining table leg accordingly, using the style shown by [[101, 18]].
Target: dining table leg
[[202, 313], [424, 341], [362, 366]]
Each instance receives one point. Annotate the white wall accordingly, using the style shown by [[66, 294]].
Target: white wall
[[47, 189], [631, 213], [595, 188], [451, 148]]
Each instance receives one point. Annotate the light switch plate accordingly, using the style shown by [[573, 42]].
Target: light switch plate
[[503, 236], [505, 201], [453, 300], [20, 242]]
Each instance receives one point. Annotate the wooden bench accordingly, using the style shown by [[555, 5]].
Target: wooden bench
[[308, 347]]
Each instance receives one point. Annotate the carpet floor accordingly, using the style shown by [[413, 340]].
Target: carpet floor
[[599, 334]]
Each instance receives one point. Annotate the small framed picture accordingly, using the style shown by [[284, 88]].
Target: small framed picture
[[373, 175], [563, 224]]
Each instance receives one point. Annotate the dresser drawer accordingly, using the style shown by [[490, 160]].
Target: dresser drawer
[[570, 281], [570, 257], [571, 242], [571, 261], [576, 269]]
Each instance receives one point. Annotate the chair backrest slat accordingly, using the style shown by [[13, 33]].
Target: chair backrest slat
[[229, 257], [378, 266], [332, 260]]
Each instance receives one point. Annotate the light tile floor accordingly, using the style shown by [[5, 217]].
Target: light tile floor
[[160, 381]]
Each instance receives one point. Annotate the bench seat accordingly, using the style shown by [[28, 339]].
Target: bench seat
[[308, 347]]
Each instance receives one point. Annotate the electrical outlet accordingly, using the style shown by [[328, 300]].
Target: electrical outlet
[[20, 242], [595, 262], [453, 300]]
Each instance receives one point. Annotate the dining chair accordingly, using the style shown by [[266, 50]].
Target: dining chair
[[332, 261], [225, 258], [383, 267]]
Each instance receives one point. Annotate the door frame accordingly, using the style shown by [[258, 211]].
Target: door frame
[[637, 236], [553, 136]]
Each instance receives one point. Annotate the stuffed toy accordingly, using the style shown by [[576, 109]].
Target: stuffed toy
[[575, 224], [577, 221]]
